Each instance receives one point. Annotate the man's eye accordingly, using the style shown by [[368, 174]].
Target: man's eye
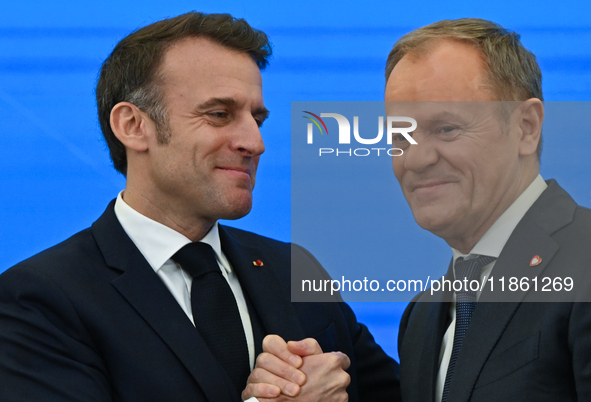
[[259, 122], [401, 141], [447, 129], [219, 115], [402, 137]]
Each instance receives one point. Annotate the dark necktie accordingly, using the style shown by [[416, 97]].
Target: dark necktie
[[215, 311], [465, 305]]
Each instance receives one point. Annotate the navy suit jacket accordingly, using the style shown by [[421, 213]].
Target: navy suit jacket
[[90, 320], [523, 349]]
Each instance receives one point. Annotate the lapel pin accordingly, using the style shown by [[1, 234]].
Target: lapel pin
[[257, 263], [535, 261]]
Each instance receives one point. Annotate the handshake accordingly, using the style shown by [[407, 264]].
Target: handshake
[[298, 371]]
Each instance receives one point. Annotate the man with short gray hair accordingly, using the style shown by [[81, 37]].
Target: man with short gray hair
[[473, 180]]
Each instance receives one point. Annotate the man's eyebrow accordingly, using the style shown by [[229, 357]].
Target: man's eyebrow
[[262, 112], [231, 102], [444, 116]]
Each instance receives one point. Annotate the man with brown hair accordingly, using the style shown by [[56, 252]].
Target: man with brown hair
[[473, 180], [157, 301]]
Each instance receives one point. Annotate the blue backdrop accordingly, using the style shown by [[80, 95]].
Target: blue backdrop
[[56, 177]]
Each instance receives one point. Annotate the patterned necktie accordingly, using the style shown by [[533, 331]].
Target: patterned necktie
[[215, 311], [465, 305]]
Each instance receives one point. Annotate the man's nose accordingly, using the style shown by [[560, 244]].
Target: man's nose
[[419, 157], [249, 140]]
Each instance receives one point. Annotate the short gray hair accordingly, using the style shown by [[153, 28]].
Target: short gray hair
[[513, 71]]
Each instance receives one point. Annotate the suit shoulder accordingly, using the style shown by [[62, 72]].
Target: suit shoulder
[[63, 257], [579, 227], [298, 253], [583, 214], [252, 239]]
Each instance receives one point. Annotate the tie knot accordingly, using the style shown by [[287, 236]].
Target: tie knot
[[470, 268], [197, 259]]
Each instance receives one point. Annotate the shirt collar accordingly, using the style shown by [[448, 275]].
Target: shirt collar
[[494, 239], [157, 242]]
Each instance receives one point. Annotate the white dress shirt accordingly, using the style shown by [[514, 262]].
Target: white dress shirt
[[158, 243], [490, 244]]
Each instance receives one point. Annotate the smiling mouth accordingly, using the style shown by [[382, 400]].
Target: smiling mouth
[[236, 170], [428, 186]]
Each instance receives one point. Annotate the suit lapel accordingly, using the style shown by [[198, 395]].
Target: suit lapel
[[483, 333], [143, 289], [528, 241], [531, 237], [269, 296], [421, 344], [437, 319]]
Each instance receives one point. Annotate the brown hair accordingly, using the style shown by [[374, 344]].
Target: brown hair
[[513, 71], [130, 73]]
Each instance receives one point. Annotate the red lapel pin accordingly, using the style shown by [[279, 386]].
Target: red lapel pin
[[257, 263], [536, 260]]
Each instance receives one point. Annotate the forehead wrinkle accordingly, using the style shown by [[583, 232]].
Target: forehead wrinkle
[[443, 116]]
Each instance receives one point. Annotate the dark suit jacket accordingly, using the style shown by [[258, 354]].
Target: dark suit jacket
[[519, 350], [89, 320]]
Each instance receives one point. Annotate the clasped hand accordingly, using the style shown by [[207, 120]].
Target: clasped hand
[[298, 371]]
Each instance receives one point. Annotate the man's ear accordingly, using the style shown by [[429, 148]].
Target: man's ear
[[131, 126], [531, 117]]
